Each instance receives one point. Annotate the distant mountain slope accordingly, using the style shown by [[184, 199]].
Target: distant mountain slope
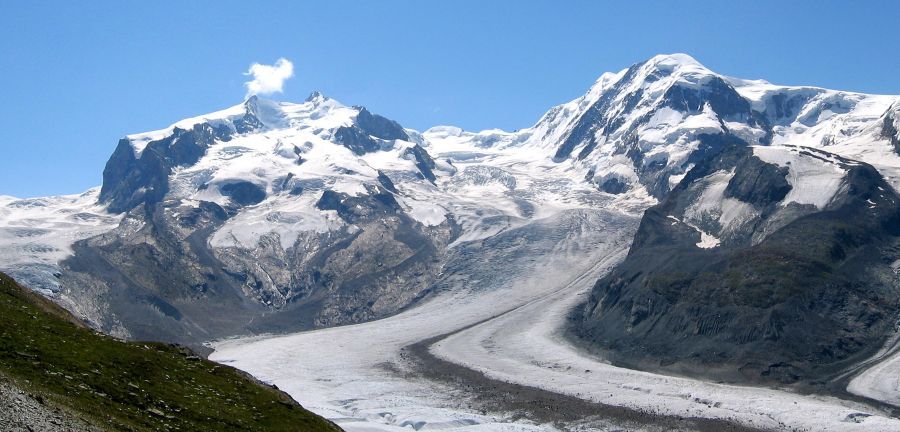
[[115, 385], [264, 217], [765, 263], [274, 217], [634, 131]]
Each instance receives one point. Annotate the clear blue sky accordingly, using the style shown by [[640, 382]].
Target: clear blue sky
[[79, 75]]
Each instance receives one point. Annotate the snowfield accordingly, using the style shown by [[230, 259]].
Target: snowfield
[[812, 181], [881, 381], [37, 233]]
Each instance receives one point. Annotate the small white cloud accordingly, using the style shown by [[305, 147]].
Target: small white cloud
[[268, 79]]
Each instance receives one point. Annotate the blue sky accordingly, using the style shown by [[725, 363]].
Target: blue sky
[[80, 75]]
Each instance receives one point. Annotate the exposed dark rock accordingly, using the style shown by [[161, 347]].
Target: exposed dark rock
[[605, 119], [614, 186], [247, 123], [758, 183], [721, 97], [784, 107], [250, 121], [369, 133], [595, 118], [380, 127], [424, 162], [192, 218], [386, 182], [129, 181], [243, 192], [357, 140], [166, 282], [161, 283], [889, 131], [799, 304], [359, 208]]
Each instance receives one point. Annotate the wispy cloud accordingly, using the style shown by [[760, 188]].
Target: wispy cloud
[[268, 79]]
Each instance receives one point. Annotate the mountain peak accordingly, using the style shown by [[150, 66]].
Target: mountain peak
[[251, 105], [316, 96], [674, 59], [674, 64]]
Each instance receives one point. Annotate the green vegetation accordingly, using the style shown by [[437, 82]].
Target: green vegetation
[[132, 386]]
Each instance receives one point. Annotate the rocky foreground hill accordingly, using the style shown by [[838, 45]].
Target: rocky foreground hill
[[58, 375]]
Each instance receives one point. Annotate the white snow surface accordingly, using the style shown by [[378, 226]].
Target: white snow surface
[[881, 381], [269, 159], [37, 233], [814, 177]]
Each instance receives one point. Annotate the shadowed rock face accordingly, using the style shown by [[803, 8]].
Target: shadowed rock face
[[758, 183], [614, 186], [369, 133], [380, 127], [352, 209], [243, 192], [719, 95], [424, 162], [386, 182], [796, 295], [357, 140], [889, 130], [606, 120], [129, 181], [165, 282], [597, 118]]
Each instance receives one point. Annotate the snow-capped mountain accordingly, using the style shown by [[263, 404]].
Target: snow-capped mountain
[[272, 216], [634, 131], [765, 263], [271, 212]]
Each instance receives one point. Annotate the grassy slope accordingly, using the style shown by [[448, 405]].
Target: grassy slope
[[132, 386]]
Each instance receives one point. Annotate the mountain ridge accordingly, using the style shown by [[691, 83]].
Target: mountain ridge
[[270, 210]]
